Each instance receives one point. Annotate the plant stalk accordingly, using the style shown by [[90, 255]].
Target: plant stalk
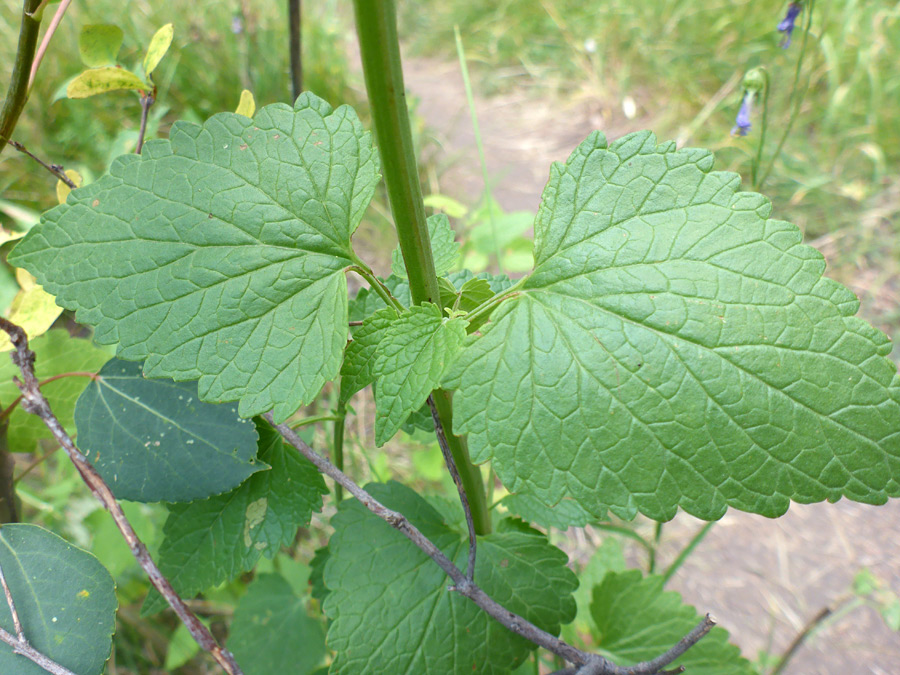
[[17, 93], [379, 44]]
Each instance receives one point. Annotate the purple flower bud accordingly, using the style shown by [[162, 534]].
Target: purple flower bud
[[237, 25], [786, 25], [742, 121]]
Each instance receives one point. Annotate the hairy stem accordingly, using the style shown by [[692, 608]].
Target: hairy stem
[[337, 449], [379, 44], [35, 403], [17, 93]]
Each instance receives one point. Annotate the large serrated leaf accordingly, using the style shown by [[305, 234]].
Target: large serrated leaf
[[219, 254], [214, 540], [390, 604], [414, 353], [444, 248], [57, 353], [272, 632], [675, 347], [65, 599], [635, 620], [154, 440]]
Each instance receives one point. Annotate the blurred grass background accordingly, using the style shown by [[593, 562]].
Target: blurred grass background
[[670, 65]]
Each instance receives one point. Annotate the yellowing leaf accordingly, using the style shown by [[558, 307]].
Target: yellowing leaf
[[34, 310], [63, 190], [101, 80], [159, 45], [247, 105]]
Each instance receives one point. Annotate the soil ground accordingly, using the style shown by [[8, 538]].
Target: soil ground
[[762, 579]]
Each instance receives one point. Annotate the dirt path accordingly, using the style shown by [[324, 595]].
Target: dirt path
[[759, 577]]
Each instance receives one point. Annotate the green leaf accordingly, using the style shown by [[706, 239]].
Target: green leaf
[[444, 247], [358, 369], [419, 419], [214, 540], [392, 612], [57, 353], [102, 80], [414, 354], [159, 45], [608, 557], [154, 440], [637, 621], [65, 599], [99, 44], [317, 588], [247, 104], [273, 633], [473, 293], [565, 514], [220, 253], [674, 347]]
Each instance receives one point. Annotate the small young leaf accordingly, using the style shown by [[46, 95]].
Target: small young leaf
[[154, 440], [57, 353], [392, 612], [419, 419], [273, 633], [99, 44], [102, 80], [159, 45], [247, 104], [220, 253], [358, 369], [63, 190], [675, 348], [414, 354], [636, 621], [214, 540], [444, 247], [34, 310], [473, 293], [65, 599]]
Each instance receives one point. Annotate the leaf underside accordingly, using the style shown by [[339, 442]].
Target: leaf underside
[[65, 600], [219, 255], [392, 612], [675, 347]]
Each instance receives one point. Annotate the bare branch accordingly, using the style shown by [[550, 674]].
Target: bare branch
[[24, 649], [454, 473], [597, 665], [56, 169], [12, 607], [33, 401], [45, 42], [147, 101]]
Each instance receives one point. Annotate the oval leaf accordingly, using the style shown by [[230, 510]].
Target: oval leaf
[[154, 440], [675, 347], [99, 44], [101, 80], [65, 599], [220, 253], [159, 45], [247, 104]]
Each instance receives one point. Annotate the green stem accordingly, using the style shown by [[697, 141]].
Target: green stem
[[306, 421], [17, 93], [376, 26], [480, 314], [797, 97], [379, 45], [625, 532], [657, 536], [377, 285], [470, 475], [757, 162], [338, 446], [463, 66], [686, 551]]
